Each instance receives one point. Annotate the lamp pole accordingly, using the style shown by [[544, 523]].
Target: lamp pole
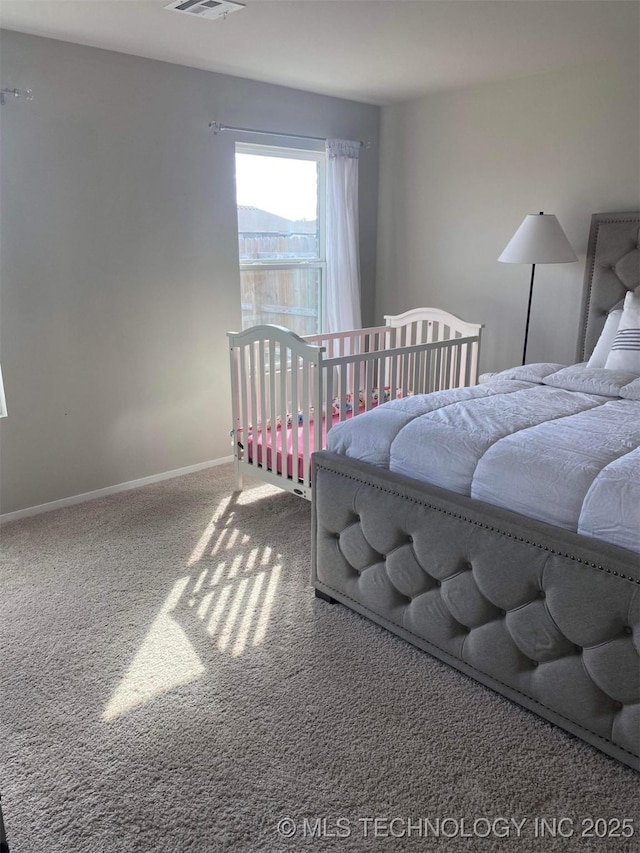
[[526, 328]]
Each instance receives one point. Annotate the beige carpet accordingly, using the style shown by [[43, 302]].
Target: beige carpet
[[169, 683]]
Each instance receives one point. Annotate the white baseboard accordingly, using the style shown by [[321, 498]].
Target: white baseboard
[[111, 490]]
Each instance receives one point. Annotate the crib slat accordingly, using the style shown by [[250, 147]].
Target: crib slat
[[404, 372], [266, 433], [429, 368], [285, 358], [473, 362], [328, 400], [272, 383], [447, 355], [305, 428], [253, 413], [367, 383], [467, 364], [436, 376], [443, 370], [317, 403], [446, 362], [242, 354], [393, 364], [295, 378], [447, 366], [343, 392], [454, 375]]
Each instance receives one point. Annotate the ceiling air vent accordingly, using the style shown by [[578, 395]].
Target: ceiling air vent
[[205, 8]]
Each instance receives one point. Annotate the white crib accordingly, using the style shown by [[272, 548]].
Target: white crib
[[288, 391]]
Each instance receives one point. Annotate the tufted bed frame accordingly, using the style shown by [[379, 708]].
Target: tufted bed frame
[[546, 617]]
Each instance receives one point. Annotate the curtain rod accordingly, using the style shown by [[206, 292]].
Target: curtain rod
[[218, 128]]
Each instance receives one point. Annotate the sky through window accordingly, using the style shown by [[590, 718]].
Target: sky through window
[[279, 185]]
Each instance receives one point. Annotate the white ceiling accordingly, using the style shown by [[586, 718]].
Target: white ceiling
[[377, 51]]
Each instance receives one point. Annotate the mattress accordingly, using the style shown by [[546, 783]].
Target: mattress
[[556, 444], [273, 440]]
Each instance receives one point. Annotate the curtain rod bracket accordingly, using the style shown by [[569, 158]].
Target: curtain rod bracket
[[27, 94]]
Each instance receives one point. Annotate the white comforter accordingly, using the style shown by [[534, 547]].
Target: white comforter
[[558, 445]]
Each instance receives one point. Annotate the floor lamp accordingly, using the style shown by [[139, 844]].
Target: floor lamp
[[539, 240]]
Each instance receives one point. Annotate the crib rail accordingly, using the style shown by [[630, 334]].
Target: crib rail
[[376, 377], [287, 390], [339, 344]]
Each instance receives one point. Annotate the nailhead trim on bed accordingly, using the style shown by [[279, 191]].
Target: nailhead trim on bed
[[490, 528]]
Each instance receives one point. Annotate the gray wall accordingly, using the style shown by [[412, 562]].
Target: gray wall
[[119, 259], [460, 170]]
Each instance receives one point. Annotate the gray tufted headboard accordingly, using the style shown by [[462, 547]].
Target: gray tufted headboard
[[612, 269]]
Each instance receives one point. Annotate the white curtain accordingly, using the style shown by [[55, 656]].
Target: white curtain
[[343, 261]]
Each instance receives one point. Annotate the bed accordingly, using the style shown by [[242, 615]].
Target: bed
[[546, 614], [287, 392]]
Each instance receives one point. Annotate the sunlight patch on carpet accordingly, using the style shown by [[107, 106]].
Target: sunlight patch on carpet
[[234, 594], [236, 610], [248, 496], [229, 595], [165, 661]]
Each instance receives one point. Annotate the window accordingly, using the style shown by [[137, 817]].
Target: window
[[280, 195]]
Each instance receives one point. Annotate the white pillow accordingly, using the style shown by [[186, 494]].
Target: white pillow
[[603, 347], [625, 349]]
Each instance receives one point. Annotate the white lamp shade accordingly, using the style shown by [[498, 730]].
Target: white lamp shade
[[539, 240]]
